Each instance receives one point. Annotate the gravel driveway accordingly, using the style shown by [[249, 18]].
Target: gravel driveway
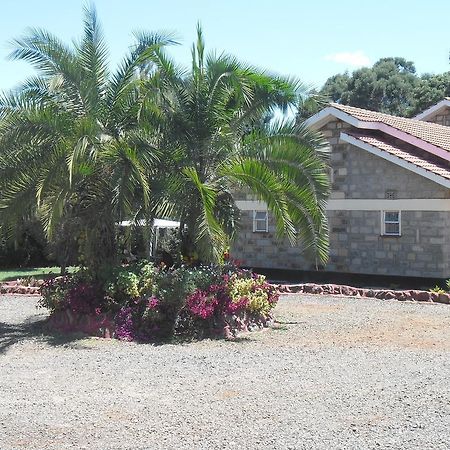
[[336, 373]]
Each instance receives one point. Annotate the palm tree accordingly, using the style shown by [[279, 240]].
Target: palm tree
[[81, 145], [219, 140], [77, 140]]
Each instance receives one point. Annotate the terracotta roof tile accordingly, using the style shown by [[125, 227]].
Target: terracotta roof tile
[[438, 135], [407, 155]]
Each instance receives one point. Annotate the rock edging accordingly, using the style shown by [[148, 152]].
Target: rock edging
[[16, 287], [350, 291]]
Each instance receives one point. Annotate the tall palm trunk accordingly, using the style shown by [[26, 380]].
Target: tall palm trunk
[[99, 248]]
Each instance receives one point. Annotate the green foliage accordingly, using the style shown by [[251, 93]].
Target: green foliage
[[438, 289], [82, 143], [125, 284], [74, 142], [27, 246], [54, 293], [390, 86], [431, 90], [253, 289], [220, 141]]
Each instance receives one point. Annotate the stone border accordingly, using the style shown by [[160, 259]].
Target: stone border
[[349, 291], [13, 287]]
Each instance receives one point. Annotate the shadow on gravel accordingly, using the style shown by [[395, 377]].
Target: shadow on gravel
[[11, 334]]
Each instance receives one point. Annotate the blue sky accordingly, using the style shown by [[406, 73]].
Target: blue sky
[[308, 39]]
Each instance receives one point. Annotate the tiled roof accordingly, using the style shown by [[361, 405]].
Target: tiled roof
[[438, 135], [382, 144]]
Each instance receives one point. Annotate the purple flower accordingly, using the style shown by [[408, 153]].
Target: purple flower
[[202, 304], [153, 302], [124, 324]]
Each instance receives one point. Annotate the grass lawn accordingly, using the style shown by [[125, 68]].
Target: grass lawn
[[36, 272]]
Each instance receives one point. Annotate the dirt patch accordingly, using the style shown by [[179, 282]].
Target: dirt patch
[[303, 310], [360, 323]]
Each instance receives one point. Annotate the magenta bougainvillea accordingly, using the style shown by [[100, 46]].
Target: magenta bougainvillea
[[125, 330], [202, 304]]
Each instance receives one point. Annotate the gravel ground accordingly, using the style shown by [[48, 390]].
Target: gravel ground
[[335, 373]]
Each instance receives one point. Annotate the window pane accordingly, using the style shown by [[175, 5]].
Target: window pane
[[392, 228], [260, 215], [391, 216], [260, 227]]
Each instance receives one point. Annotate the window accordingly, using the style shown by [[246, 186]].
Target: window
[[391, 223], [260, 222]]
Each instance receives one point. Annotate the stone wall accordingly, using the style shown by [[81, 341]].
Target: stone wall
[[442, 118], [356, 243], [256, 249], [357, 246], [358, 174]]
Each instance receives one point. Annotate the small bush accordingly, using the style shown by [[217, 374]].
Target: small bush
[[438, 290], [54, 293]]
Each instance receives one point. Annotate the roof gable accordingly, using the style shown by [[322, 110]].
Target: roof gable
[[434, 110], [431, 139]]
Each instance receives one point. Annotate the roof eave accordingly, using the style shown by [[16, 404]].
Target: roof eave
[[323, 117]]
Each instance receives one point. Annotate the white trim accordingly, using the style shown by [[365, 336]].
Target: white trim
[[418, 204], [321, 118], [396, 160], [266, 221], [433, 110], [251, 205], [356, 204]]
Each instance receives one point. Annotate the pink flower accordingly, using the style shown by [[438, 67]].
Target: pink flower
[[153, 302], [201, 304]]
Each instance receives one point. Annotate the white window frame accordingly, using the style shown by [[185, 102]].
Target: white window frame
[[384, 222], [331, 175], [255, 221]]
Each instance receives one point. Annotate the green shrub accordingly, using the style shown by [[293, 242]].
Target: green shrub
[[438, 290]]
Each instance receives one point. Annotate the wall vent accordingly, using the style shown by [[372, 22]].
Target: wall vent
[[390, 195]]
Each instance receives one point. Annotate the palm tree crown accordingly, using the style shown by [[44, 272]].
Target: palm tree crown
[[219, 141]]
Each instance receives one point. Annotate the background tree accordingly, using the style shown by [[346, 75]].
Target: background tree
[[391, 86], [430, 90]]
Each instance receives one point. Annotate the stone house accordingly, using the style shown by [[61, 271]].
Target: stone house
[[389, 209]]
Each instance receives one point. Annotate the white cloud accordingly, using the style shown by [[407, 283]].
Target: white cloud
[[353, 59]]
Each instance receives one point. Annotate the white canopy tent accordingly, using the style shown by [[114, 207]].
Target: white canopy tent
[[158, 224]]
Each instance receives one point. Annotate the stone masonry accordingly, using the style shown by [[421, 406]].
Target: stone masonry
[[356, 241], [441, 118]]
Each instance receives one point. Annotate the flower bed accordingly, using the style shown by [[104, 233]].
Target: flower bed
[[145, 303]]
